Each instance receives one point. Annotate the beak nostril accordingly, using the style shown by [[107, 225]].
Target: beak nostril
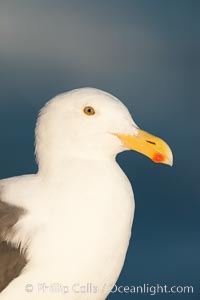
[[150, 142]]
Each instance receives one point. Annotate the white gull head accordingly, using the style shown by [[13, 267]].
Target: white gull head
[[90, 123]]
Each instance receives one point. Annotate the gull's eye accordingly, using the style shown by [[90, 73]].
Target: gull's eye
[[89, 110]]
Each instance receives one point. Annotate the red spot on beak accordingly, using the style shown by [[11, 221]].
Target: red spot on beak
[[158, 157]]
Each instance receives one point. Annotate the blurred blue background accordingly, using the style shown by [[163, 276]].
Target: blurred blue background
[[147, 54]]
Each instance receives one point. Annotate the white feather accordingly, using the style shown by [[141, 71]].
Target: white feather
[[79, 205]]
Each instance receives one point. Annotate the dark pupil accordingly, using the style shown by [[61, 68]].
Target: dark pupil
[[89, 110]]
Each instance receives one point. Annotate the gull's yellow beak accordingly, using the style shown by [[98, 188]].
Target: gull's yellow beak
[[153, 147]]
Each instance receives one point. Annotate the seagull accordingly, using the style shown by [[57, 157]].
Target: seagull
[[64, 232]]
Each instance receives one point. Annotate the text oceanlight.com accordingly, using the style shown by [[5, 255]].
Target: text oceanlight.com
[[153, 289], [89, 288]]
